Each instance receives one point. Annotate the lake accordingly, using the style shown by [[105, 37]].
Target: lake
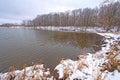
[[19, 46]]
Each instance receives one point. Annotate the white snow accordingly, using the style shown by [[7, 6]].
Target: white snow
[[91, 64], [30, 73], [71, 29]]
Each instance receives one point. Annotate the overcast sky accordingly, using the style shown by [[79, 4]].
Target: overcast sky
[[14, 11]]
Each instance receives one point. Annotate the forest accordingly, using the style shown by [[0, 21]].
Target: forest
[[107, 16]]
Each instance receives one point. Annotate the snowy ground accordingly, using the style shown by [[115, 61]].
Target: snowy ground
[[36, 72], [102, 65], [69, 28], [72, 29], [77, 29]]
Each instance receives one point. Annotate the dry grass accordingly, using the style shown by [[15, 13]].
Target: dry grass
[[24, 74], [99, 56], [113, 63], [99, 76], [82, 56], [117, 32], [33, 73], [82, 65], [11, 73]]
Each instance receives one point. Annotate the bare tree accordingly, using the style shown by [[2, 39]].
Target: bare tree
[[107, 15]]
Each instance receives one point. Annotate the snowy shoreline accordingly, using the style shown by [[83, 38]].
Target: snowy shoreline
[[89, 67], [64, 29], [72, 29], [69, 28], [96, 66]]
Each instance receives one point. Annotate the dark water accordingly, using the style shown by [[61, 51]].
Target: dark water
[[27, 46]]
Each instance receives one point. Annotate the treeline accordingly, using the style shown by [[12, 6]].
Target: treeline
[[108, 15], [9, 24]]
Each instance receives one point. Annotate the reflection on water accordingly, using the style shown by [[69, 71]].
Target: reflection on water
[[19, 46], [83, 41]]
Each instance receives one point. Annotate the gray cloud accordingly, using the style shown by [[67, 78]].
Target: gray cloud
[[18, 10]]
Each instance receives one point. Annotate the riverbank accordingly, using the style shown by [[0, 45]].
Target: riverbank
[[102, 65], [69, 28], [73, 29]]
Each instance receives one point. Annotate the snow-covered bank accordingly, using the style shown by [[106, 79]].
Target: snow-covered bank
[[73, 29], [69, 28], [103, 65], [36, 72], [77, 29], [17, 27]]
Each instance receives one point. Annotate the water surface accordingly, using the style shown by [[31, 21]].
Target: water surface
[[27, 46]]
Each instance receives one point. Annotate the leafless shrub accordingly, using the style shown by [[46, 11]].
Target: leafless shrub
[[99, 76], [81, 56], [112, 62], [99, 56], [82, 65], [24, 74], [11, 73]]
